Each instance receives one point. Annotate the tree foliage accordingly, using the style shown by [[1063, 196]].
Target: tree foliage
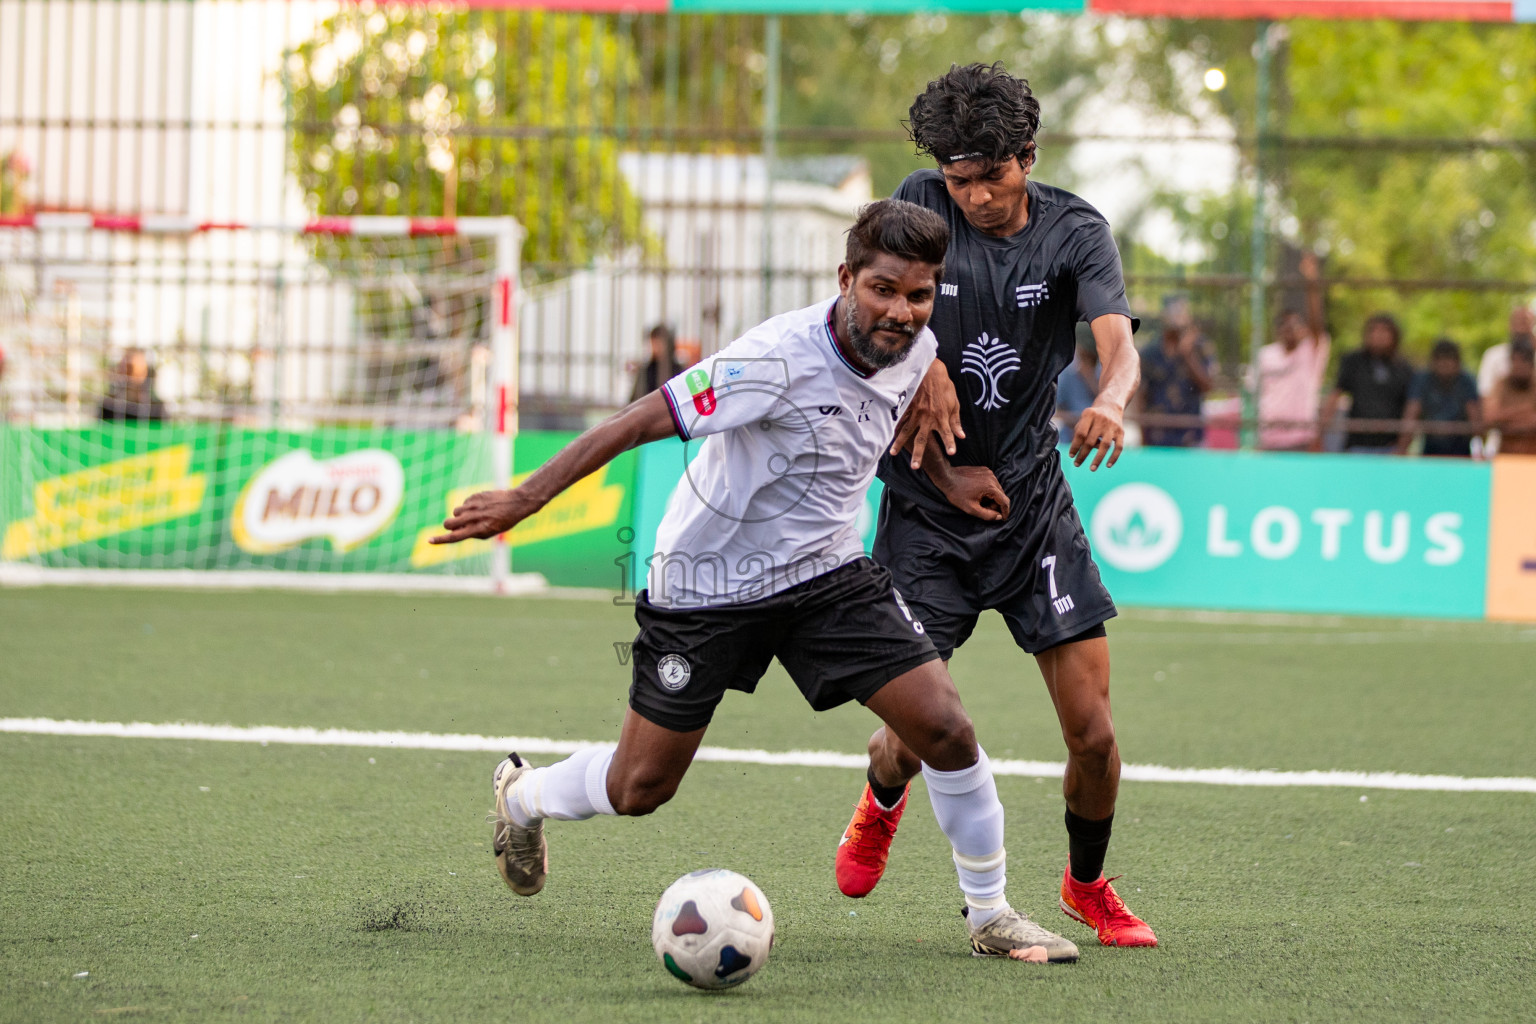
[[410, 110], [854, 71], [401, 109], [1426, 211]]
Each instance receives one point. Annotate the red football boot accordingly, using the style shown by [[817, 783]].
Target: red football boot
[[866, 844], [1097, 905]]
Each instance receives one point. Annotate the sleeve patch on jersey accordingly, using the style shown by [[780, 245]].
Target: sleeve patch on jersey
[[702, 391]]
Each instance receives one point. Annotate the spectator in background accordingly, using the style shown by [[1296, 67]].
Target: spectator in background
[[1511, 406], [1175, 375], [1376, 379], [1291, 371], [1495, 364], [1444, 393], [131, 391], [662, 366], [1077, 387]]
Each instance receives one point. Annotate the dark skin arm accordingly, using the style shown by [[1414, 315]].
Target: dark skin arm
[[934, 409], [1102, 424], [490, 513], [974, 490]]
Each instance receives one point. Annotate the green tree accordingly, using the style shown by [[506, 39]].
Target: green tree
[[862, 73], [410, 110], [1454, 212], [421, 111]]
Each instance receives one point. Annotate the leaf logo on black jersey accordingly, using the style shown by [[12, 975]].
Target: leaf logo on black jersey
[[989, 359]]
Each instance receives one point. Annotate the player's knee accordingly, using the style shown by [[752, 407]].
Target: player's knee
[[639, 794], [1092, 741], [953, 747]]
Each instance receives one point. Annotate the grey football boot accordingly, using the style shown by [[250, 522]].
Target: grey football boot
[[522, 856], [1015, 936]]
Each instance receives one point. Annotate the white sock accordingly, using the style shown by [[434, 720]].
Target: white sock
[[571, 790], [971, 817]]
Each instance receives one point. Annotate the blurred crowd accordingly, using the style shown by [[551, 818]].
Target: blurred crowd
[[1377, 401]]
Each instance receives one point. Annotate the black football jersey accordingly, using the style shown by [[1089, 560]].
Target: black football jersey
[[1006, 320]]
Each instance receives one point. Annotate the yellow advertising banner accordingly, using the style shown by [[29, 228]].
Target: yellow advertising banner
[[106, 500], [591, 503], [1512, 540]]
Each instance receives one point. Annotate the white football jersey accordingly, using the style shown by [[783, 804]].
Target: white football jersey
[[792, 434]]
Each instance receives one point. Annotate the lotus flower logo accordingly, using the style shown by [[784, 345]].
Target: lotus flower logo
[[1136, 533], [1136, 527]]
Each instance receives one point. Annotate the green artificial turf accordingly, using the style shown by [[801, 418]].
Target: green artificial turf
[[346, 884]]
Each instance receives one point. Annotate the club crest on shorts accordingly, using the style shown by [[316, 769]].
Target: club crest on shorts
[[674, 671]]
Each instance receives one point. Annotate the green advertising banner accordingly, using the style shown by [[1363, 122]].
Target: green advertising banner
[[577, 538], [1265, 532], [328, 500], [1290, 532], [1169, 527]]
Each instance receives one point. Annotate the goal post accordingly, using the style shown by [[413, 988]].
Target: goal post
[[257, 403]]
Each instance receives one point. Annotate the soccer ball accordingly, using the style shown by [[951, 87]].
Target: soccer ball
[[713, 929]]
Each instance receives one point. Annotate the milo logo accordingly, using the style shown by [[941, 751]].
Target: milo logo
[[703, 394]]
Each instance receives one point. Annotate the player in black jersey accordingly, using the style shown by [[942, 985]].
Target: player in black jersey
[[1026, 263]]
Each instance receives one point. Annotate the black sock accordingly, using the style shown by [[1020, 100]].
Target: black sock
[[1088, 841], [889, 796]]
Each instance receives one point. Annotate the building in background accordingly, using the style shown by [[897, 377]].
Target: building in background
[[709, 268]]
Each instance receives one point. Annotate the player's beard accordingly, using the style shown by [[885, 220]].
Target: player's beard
[[870, 352]]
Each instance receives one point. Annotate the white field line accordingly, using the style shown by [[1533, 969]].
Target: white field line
[[1294, 638], [265, 734]]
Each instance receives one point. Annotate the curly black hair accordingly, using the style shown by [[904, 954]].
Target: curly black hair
[[975, 112]]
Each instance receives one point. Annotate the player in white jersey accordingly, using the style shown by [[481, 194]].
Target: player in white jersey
[[759, 558]]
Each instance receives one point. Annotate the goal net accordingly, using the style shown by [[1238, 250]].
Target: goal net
[[192, 400]]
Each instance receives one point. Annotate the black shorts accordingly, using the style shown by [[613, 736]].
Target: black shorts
[[841, 636], [1035, 567]]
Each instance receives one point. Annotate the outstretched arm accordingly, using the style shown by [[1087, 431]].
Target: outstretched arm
[[490, 513], [1102, 424], [1311, 273]]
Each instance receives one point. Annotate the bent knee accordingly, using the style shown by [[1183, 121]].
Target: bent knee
[[953, 744], [635, 797]]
